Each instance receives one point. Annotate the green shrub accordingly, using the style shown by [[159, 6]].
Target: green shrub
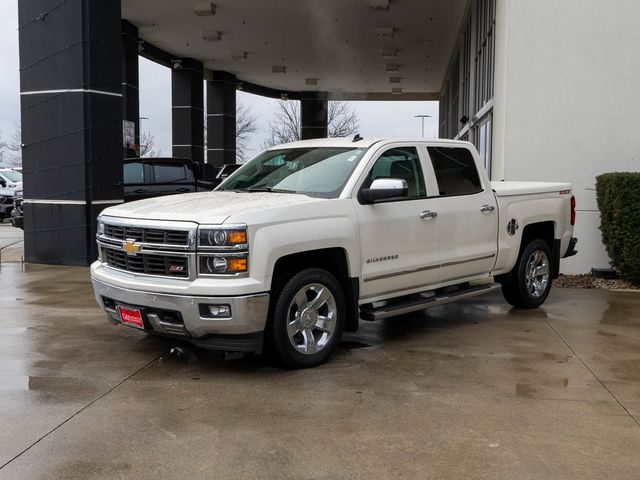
[[619, 204]]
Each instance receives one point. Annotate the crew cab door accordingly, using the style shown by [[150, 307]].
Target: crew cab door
[[398, 239], [467, 213]]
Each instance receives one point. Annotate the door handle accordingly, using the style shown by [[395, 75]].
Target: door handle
[[487, 208], [140, 190], [428, 214]]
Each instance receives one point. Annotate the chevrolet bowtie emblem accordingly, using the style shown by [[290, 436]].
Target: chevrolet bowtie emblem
[[130, 247]]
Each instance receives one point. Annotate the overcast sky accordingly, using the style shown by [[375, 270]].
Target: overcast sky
[[389, 119]]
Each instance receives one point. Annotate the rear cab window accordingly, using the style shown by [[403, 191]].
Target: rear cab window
[[455, 170], [133, 173], [171, 173]]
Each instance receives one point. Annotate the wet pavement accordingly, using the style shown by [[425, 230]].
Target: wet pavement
[[467, 390], [11, 243]]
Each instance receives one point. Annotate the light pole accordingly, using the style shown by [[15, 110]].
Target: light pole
[[423, 116]]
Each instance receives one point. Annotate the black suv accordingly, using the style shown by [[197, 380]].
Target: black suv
[[152, 177]]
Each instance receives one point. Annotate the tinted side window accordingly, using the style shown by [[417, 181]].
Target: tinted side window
[[455, 170], [402, 163], [133, 173], [167, 173]]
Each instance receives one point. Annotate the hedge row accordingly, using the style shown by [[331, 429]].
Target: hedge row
[[619, 204]]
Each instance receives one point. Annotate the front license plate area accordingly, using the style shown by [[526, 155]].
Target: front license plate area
[[131, 316]]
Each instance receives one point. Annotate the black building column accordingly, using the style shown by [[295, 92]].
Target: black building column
[[314, 115], [187, 112], [221, 119], [71, 109], [130, 83]]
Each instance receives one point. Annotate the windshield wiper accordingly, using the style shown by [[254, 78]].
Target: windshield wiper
[[269, 189]]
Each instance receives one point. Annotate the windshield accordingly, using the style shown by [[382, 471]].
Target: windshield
[[316, 172], [12, 175]]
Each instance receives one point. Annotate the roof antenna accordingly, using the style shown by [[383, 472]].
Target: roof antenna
[[357, 138]]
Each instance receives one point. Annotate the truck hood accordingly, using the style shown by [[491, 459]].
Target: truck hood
[[205, 207]]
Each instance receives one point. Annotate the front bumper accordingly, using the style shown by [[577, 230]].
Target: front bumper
[[185, 317]]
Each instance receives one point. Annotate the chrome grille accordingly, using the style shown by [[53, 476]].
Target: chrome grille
[[147, 235], [149, 247], [148, 263]]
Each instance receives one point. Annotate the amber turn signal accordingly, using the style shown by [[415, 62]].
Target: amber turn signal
[[236, 265], [237, 237]]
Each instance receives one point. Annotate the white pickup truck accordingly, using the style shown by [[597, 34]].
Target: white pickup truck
[[309, 238]]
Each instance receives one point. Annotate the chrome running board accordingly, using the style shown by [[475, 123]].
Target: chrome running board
[[415, 303]]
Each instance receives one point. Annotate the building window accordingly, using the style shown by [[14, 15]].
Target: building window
[[485, 51], [465, 61], [483, 136], [465, 104]]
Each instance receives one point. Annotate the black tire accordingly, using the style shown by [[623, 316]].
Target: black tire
[[285, 311], [515, 286]]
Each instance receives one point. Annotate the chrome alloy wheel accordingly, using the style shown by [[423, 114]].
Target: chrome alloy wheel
[[537, 273], [311, 322]]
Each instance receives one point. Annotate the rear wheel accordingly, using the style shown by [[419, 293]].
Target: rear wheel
[[307, 319], [528, 284]]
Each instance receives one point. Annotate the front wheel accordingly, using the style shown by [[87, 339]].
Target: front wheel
[[307, 319], [528, 284]]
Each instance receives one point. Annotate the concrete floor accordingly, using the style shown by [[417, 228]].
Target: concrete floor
[[465, 391], [11, 243]]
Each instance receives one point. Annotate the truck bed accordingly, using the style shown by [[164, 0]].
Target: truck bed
[[505, 189]]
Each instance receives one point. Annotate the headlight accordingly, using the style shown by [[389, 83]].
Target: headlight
[[223, 264], [222, 238], [223, 250], [100, 229]]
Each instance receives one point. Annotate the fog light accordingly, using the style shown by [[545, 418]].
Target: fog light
[[220, 311]]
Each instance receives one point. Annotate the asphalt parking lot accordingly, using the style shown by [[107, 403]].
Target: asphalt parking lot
[[467, 390]]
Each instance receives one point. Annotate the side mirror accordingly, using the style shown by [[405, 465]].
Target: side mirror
[[2, 183], [384, 189]]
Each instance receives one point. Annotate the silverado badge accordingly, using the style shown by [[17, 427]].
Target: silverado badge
[[130, 247]]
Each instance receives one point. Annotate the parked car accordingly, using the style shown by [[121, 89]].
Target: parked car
[[145, 178], [152, 177], [308, 238], [17, 214], [10, 181]]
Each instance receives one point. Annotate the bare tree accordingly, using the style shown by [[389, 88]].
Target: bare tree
[[11, 150], [343, 120], [285, 126], [246, 125], [3, 150], [147, 141]]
